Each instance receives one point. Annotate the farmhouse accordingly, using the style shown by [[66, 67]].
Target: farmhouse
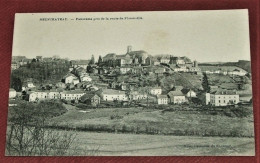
[[90, 98], [176, 97], [162, 99], [156, 90]]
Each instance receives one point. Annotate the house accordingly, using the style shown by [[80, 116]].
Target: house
[[124, 70], [156, 63], [159, 71], [43, 95], [14, 65], [69, 78], [135, 95], [54, 93], [12, 93], [165, 60], [156, 90], [75, 81], [162, 99], [72, 95], [222, 98], [237, 72], [60, 85], [176, 97], [90, 98], [110, 60], [188, 92], [177, 60], [85, 77], [80, 63], [30, 85], [124, 86], [123, 60], [111, 95]]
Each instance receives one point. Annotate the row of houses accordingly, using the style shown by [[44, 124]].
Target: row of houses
[[216, 98], [236, 72]]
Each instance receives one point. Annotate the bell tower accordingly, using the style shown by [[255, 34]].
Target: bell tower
[[129, 49]]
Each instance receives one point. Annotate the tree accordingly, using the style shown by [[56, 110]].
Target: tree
[[99, 60], [205, 83], [16, 83], [27, 133], [92, 60]]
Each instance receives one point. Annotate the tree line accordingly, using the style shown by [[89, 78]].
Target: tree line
[[39, 72]]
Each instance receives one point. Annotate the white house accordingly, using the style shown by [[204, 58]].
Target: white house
[[162, 99], [85, 78], [156, 90], [111, 95], [37, 95], [135, 95], [69, 78], [165, 60], [30, 85], [12, 93], [222, 98]]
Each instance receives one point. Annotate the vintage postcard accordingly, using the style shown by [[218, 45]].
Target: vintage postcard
[[164, 83]]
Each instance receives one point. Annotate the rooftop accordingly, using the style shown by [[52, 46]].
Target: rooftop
[[224, 92], [175, 93], [162, 96], [113, 92]]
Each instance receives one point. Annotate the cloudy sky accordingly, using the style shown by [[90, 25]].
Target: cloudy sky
[[207, 36]]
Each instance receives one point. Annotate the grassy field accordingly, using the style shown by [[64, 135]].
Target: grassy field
[[109, 144], [140, 120]]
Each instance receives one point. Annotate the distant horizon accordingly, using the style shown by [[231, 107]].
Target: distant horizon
[[205, 36], [121, 54]]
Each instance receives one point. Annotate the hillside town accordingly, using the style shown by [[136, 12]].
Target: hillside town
[[139, 78]]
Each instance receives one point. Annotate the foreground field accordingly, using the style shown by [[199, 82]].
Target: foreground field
[[152, 121], [108, 144]]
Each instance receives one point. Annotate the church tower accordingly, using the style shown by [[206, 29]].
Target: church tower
[[129, 49]]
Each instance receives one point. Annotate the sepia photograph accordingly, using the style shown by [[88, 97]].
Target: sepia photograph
[[158, 83]]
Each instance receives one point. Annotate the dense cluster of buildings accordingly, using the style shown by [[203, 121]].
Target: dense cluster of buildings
[[79, 84]]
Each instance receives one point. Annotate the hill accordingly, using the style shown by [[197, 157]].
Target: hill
[[243, 64]]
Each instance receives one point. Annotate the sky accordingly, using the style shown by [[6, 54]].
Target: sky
[[205, 36]]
